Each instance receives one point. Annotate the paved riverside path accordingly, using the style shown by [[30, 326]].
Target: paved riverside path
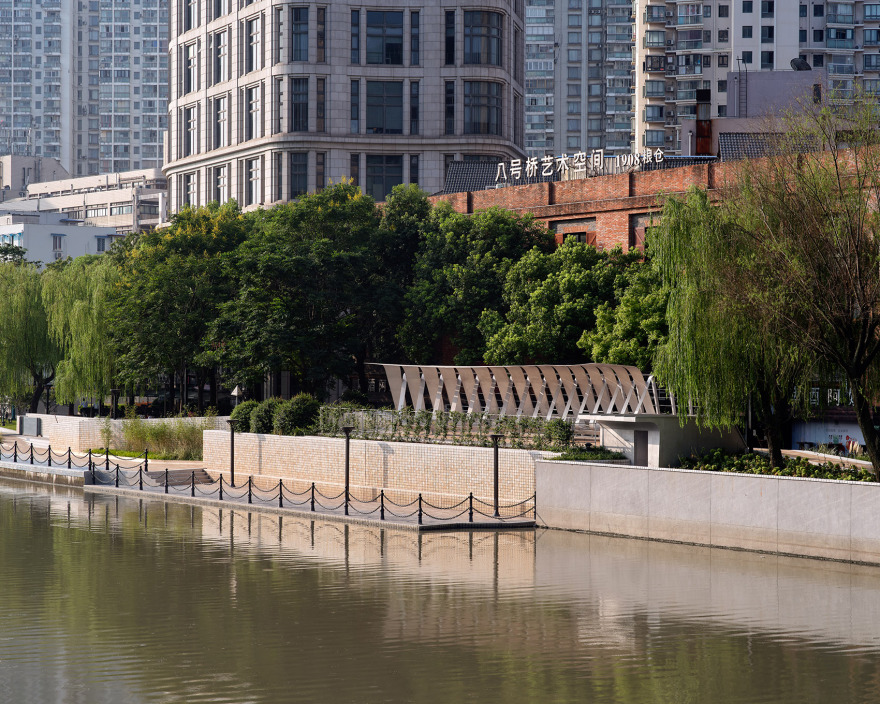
[[132, 481]]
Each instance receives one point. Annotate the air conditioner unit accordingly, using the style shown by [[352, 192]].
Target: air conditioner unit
[[670, 42], [670, 113], [670, 89], [58, 255], [670, 13], [669, 138]]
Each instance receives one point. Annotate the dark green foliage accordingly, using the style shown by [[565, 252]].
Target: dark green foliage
[[356, 397], [263, 417], [753, 463], [559, 433], [298, 414], [244, 412], [589, 454]]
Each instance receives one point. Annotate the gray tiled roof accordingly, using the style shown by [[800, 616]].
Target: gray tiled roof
[[754, 145]]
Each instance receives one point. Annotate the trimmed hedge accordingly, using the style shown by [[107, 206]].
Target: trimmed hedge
[[295, 415], [753, 463], [244, 412], [263, 418]]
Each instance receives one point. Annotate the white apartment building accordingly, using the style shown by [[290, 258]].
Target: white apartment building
[[578, 76], [84, 82], [683, 47], [48, 237], [270, 100]]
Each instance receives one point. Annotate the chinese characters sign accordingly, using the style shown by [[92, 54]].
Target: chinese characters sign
[[578, 165]]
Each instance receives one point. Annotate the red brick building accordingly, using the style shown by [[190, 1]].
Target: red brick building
[[605, 211]]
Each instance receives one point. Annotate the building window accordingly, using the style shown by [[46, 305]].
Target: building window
[[320, 103], [190, 15], [872, 37], [819, 60], [802, 36], [221, 57], [654, 138], [252, 55], [299, 174], [221, 183], [747, 31], [320, 168], [722, 111], [191, 130], [299, 44], [414, 38], [354, 168], [722, 86], [414, 169], [766, 60], [321, 35], [101, 244], [253, 182], [818, 10], [724, 10], [723, 61], [747, 6], [818, 36], [482, 107], [747, 57], [450, 107], [190, 68], [221, 122], [803, 11], [384, 37], [252, 124], [222, 7], [482, 38], [872, 62], [299, 105], [767, 9], [355, 36], [384, 107], [277, 175], [355, 107], [384, 172], [414, 107], [57, 243], [723, 36], [189, 189], [450, 38], [872, 13], [767, 35]]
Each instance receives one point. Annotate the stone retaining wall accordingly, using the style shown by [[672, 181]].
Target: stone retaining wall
[[84, 433], [789, 515], [440, 470]]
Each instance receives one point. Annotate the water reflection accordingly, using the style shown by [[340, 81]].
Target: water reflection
[[107, 599]]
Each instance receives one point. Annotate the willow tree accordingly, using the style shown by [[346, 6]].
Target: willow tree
[[76, 297], [808, 220], [28, 354], [721, 354]]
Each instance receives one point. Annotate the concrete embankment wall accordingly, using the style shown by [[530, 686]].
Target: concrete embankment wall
[[84, 433], [441, 470], [44, 475], [809, 517]]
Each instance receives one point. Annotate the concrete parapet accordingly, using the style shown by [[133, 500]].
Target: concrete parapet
[[787, 515]]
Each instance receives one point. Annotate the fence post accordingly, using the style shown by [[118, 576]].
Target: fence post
[[232, 423], [166, 480], [347, 430], [90, 457], [471, 508], [50, 454], [15, 451], [107, 457], [313, 496], [68, 456], [93, 475], [32, 453], [147, 460], [192, 486], [420, 509], [140, 477], [250, 480], [382, 505], [117, 473], [221, 487], [495, 438], [280, 493]]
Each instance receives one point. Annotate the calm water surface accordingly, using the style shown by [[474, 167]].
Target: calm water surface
[[107, 601]]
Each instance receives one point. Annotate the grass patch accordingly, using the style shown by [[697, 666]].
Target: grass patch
[[98, 452], [753, 463], [9, 424], [589, 454]]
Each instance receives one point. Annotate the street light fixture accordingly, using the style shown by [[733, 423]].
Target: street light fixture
[[233, 422]]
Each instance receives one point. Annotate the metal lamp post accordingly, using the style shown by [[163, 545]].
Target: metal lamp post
[[232, 425], [495, 438], [236, 393], [347, 430]]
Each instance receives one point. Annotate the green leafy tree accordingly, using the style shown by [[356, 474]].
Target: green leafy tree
[[551, 299], [721, 352], [305, 284], [76, 296], [28, 353], [630, 329], [170, 285], [459, 272], [12, 253]]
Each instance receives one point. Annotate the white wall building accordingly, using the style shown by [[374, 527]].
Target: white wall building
[[47, 237], [684, 47], [270, 100]]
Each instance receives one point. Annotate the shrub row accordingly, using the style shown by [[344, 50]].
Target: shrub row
[[293, 417], [753, 463]]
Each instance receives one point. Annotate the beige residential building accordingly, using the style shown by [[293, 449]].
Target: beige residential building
[[270, 100]]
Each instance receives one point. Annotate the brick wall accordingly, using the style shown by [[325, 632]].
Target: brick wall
[[610, 199], [443, 471]]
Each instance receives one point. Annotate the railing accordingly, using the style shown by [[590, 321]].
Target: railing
[[314, 500], [839, 19], [67, 459]]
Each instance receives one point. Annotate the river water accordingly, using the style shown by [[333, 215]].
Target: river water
[[106, 600]]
